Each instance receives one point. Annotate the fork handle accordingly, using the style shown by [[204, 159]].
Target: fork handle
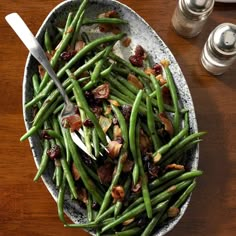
[[24, 33]]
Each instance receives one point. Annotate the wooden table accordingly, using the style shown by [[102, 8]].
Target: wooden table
[[26, 208]]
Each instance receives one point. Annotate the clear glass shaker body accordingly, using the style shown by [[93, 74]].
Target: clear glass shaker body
[[219, 51], [190, 16]]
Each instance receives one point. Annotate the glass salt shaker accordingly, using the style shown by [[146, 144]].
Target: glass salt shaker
[[190, 16], [219, 52]]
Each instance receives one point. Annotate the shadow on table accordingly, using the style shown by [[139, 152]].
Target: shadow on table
[[207, 206]]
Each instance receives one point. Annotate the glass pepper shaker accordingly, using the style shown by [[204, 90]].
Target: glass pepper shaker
[[190, 16], [219, 52]]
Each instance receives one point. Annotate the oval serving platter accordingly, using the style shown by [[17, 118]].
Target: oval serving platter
[[151, 42]]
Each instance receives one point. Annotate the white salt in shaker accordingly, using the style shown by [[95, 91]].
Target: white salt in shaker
[[190, 16], [219, 52]]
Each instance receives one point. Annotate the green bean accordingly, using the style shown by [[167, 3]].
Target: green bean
[[119, 86], [182, 144], [47, 42], [44, 158], [89, 208], [174, 96], [177, 155], [96, 145], [182, 199], [127, 84], [36, 127], [55, 135], [130, 90], [154, 221], [58, 167], [35, 81], [179, 202], [88, 48], [84, 105], [122, 157], [144, 180], [142, 109], [66, 83], [147, 86], [48, 102], [91, 225], [121, 71], [132, 125], [104, 20], [60, 200], [90, 63], [87, 131], [166, 177], [105, 214], [129, 232], [156, 209], [67, 173], [106, 72], [94, 176], [90, 186], [151, 125], [99, 64], [161, 180], [77, 30], [119, 204], [66, 30], [64, 42], [59, 173], [158, 93], [155, 200], [44, 161], [186, 176], [161, 151]]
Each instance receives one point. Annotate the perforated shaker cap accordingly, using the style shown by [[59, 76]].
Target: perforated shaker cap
[[223, 40], [196, 9]]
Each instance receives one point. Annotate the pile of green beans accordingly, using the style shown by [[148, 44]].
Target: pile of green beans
[[150, 168]]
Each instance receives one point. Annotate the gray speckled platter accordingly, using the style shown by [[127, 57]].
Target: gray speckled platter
[[142, 34]]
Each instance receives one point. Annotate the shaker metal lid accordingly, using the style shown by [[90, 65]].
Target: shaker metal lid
[[197, 9], [224, 39]]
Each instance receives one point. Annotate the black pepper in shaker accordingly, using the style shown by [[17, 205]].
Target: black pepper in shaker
[[219, 52]]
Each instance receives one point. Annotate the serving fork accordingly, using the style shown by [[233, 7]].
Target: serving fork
[[24, 33]]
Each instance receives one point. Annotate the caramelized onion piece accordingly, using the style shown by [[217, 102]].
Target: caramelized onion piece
[[102, 91], [73, 122], [161, 80], [136, 188], [79, 45], [75, 172], [126, 42], [83, 195], [167, 124], [134, 81], [118, 193], [114, 149], [149, 71], [174, 167], [128, 166], [105, 123], [114, 102], [173, 212], [145, 142], [129, 221], [117, 132], [105, 172]]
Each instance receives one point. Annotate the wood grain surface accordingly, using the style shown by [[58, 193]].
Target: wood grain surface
[[26, 208]]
